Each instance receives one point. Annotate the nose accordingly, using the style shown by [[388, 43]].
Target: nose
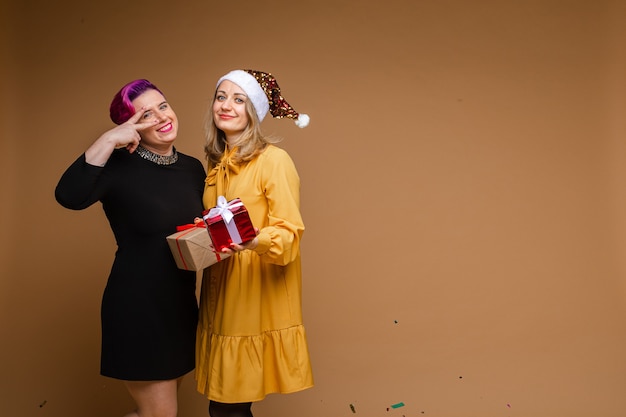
[[159, 116], [226, 105]]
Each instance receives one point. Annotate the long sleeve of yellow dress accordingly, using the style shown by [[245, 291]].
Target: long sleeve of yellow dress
[[251, 339]]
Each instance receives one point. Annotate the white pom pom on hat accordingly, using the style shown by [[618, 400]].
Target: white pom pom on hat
[[264, 92], [303, 120]]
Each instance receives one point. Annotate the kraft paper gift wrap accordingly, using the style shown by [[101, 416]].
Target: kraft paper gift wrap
[[228, 222], [191, 247]]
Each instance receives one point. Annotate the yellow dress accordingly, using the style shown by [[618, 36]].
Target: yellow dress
[[251, 340]]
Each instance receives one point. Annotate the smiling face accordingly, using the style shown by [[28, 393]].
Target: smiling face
[[229, 110], [160, 137]]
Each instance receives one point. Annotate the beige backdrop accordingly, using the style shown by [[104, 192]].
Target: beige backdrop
[[463, 189]]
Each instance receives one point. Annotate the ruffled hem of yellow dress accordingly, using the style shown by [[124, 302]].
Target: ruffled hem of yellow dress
[[233, 369]]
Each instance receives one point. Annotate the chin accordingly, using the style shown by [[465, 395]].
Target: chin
[[170, 137]]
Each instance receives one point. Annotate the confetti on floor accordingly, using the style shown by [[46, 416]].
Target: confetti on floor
[[397, 405]]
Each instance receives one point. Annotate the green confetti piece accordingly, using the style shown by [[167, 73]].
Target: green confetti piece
[[397, 405]]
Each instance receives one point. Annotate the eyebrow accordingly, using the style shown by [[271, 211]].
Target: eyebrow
[[234, 94], [163, 102]]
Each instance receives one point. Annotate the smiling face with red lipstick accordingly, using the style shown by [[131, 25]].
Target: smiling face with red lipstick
[[160, 137]]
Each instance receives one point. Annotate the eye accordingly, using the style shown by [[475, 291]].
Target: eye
[[220, 97], [239, 100], [147, 115], [163, 106]]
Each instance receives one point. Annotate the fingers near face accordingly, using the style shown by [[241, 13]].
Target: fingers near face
[[136, 117], [157, 122]]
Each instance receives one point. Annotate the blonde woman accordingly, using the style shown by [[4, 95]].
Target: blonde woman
[[251, 339]]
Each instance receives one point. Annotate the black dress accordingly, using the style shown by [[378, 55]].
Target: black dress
[[149, 308]]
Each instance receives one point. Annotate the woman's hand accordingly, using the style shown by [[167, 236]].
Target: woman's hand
[[251, 244], [125, 135]]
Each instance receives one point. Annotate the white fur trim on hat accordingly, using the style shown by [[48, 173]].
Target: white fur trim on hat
[[252, 89]]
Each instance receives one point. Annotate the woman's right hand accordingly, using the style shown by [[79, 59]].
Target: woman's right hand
[[125, 135]]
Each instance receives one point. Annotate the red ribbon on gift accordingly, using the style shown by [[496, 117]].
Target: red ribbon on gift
[[189, 227]]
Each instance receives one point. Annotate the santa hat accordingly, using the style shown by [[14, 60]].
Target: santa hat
[[264, 92]]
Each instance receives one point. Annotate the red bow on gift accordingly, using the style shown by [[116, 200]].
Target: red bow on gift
[[189, 226]]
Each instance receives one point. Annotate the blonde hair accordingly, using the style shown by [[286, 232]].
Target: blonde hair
[[250, 143]]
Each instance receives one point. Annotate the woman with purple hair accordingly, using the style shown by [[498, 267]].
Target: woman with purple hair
[[149, 310]]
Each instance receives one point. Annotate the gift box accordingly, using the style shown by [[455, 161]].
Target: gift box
[[228, 222], [191, 247]]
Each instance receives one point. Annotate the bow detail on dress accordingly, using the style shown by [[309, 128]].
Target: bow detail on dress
[[219, 176]]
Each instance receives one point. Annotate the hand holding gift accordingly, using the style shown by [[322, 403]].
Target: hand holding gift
[[234, 247]]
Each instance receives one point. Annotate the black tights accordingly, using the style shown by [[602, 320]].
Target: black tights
[[230, 410]]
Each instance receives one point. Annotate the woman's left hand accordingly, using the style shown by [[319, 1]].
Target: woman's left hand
[[251, 244]]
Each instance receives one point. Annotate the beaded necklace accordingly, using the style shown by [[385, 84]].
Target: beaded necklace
[[156, 158]]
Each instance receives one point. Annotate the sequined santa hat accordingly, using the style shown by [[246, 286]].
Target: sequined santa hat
[[264, 92]]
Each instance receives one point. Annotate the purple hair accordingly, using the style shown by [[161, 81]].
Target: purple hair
[[122, 107]]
